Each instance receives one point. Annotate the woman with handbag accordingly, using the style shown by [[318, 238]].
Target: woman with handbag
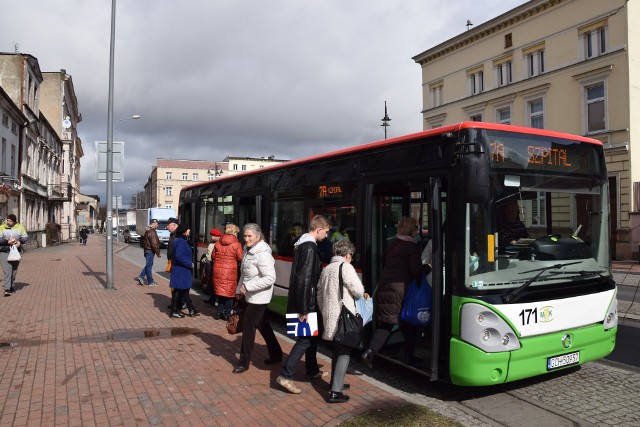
[[338, 272], [12, 235], [402, 264], [257, 276]]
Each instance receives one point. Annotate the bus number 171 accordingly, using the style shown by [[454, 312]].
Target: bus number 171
[[526, 314]]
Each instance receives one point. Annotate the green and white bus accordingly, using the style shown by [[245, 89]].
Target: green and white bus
[[501, 312]]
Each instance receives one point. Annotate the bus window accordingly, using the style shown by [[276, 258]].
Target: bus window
[[292, 218], [288, 224], [215, 212]]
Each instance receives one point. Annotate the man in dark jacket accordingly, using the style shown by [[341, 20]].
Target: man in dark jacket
[[305, 273], [151, 245]]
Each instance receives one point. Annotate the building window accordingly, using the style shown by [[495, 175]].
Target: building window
[[13, 160], [235, 167], [168, 190], [503, 115], [244, 167], [476, 84], [168, 206], [594, 41], [535, 63], [5, 119], [435, 94], [168, 175], [504, 74], [185, 176], [508, 40], [476, 118], [595, 107], [536, 114], [3, 160], [194, 176], [14, 128], [210, 176]]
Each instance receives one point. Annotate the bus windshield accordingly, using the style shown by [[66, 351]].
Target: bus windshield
[[547, 221]]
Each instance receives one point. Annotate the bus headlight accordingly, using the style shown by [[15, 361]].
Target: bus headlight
[[484, 329], [611, 319]]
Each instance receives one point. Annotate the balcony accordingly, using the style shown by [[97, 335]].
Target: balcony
[[59, 192]]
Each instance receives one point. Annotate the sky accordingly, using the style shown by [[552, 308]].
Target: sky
[[217, 78]]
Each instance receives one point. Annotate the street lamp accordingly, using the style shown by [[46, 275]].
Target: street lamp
[[385, 120], [216, 171], [134, 195], [133, 117]]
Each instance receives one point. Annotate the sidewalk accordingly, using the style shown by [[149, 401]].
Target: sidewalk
[[74, 353]]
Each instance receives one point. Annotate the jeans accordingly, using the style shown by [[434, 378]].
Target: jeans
[[148, 267], [307, 346], [225, 304]]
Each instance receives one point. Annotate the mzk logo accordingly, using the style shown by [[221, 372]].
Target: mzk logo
[[546, 314]]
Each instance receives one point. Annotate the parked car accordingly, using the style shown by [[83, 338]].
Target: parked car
[[130, 234]]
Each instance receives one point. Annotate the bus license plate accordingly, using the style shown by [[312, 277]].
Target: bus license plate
[[564, 360]]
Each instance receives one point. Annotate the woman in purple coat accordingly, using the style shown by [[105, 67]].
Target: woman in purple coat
[[181, 267]]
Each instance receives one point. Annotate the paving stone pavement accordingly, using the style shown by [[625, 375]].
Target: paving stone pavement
[[74, 353]]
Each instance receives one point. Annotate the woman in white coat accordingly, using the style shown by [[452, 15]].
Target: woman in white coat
[[329, 303], [257, 276]]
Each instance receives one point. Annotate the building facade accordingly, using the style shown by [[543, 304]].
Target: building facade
[[564, 65], [60, 105], [46, 158], [10, 138]]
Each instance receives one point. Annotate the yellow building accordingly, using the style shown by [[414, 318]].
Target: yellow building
[[564, 65]]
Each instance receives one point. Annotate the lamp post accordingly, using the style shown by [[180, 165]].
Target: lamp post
[[385, 120], [134, 195], [133, 117], [109, 266]]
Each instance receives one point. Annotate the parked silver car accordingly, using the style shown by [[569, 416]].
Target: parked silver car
[[130, 234]]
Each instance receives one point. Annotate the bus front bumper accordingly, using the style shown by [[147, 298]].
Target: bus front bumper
[[470, 366]]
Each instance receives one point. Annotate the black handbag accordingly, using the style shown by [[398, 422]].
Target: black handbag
[[349, 332]]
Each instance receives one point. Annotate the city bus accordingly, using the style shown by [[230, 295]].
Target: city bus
[[501, 311]]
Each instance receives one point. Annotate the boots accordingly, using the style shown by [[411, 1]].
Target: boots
[[367, 358], [175, 311]]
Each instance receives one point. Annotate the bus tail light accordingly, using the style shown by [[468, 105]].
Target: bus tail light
[[484, 329], [611, 319]]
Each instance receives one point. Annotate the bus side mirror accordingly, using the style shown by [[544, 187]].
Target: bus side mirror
[[475, 177]]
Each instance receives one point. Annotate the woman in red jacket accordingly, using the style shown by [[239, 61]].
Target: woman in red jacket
[[227, 255]]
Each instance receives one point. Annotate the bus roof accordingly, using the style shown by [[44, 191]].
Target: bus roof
[[406, 138]]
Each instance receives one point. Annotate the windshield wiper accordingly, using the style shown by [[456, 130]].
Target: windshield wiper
[[514, 296], [582, 272]]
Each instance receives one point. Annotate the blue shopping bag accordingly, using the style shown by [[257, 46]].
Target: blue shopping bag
[[416, 308], [364, 307]]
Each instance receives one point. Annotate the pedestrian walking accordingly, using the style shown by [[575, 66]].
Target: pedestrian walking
[[151, 246], [181, 273], [305, 272], [12, 236], [258, 275]]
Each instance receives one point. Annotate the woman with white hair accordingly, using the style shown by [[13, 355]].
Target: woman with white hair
[[257, 276], [330, 307]]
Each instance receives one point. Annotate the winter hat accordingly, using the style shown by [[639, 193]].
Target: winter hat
[[12, 217], [182, 228]]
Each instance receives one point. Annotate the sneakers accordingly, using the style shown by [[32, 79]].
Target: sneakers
[[7, 293], [319, 375], [140, 280], [153, 284], [288, 385]]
